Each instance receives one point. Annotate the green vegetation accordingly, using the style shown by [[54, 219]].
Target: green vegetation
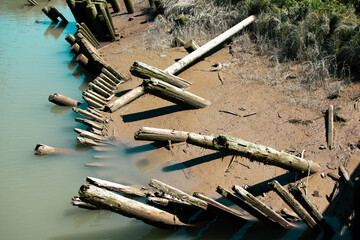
[[323, 34]]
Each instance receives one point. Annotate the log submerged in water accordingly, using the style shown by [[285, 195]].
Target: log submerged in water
[[88, 115], [90, 123], [108, 200], [63, 100], [42, 149]]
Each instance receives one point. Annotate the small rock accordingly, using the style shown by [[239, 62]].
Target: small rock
[[316, 194], [322, 175], [130, 19], [246, 187], [322, 147], [352, 147]]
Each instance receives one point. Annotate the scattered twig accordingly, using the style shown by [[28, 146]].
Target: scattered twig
[[231, 161], [220, 78], [228, 112], [250, 114]]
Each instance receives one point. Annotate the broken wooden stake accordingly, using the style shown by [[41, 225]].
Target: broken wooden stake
[[158, 134], [108, 200], [89, 142], [330, 127], [312, 210], [88, 115], [129, 6], [191, 46], [293, 204], [345, 175], [90, 123], [63, 100], [262, 207]]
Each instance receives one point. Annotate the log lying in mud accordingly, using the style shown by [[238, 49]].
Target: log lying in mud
[[143, 70], [234, 146], [101, 90], [243, 204], [174, 94], [311, 209], [42, 149], [172, 203], [86, 32], [158, 134], [88, 115], [90, 123], [94, 95], [183, 63], [63, 100], [89, 135], [108, 200], [89, 142], [119, 188], [262, 207], [295, 206]]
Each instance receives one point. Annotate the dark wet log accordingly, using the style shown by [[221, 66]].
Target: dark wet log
[[143, 70], [57, 13], [178, 194], [262, 207], [218, 208], [50, 14], [89, 142], [115, 5], [90, 123], [89, 135], [356, 220], [191, 46], [63, 100], [243, 204], [312, 210], [266, 155], [127, 207], [129, 6], [106, 18], [119, 188], [125, 99], [70, 39], [293, 204], [158, 134], [95, 111], [174, 94], [201, 140], [42, 149], [88, 115], [203, 50], [330, 127]]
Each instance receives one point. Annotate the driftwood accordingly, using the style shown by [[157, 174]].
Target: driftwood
[[201, 140], [63, 100], [312, 210], [108, 200], [178, 194], [295, 206], [330, 127], [183, 63], [70, 39], [42, 149], [89, 135], [88, 115], [244, 205], [158, 134], [94, 103], [174, 94], [119, 188], [90, 123], [76, 201], [262, 207], [170, 203], [143, 70], [216, 207], [89, 142], [103, 91], [95, 96]]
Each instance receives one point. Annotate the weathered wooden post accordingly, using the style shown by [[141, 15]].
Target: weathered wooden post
[[42, 149], [75, 49], [330, 132], [129, 6], [191, 46], [70, 39], [50, 14], [115, 5], [63, 100]]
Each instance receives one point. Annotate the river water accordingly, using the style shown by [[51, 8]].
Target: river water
[[35, 191]]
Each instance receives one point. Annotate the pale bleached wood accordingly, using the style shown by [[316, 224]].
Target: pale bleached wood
[[158, 134]]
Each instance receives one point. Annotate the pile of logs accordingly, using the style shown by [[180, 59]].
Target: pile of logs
[[103, 194], [96, 15]]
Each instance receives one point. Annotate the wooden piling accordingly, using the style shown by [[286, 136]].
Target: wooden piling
[[129, 6], [88, 115], [115, 5], [90, 123], [191, 46], [330, 127], [70, 39]]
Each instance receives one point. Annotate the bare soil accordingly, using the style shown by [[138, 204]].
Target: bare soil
[[274, 110]]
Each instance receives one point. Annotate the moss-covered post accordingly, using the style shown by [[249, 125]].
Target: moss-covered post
[[180, 19], [50, 14], [115, 5], [129, 6], [105, 19]]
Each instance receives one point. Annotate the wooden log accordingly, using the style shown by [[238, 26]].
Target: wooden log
[[90, 123], [63, 100], [125, 99], [170, 203], [178, 194], [129, 6], [158, 134], [115, 5], [201, 140], [191, 46], [219, 208], [70, 39], [312, 210], [114, 77], [89, 142], [200, 52], [143, 70], [95, 112], [178, 41], [50, 14], [78, 203], [91, 14], [109, 80], [266, 155], [127, 207], [95, 94], [108, 22], [345, 175], [90, 34], [119, 188], [356, 220], [42, 149], [243, 204], [89, 135], [100, 82], [100, 90], [262, 207], [330, 127], [57, 13], [88, 115], [174, 94], [94, 103], [75, 49], [87, 36], [293, 204]]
